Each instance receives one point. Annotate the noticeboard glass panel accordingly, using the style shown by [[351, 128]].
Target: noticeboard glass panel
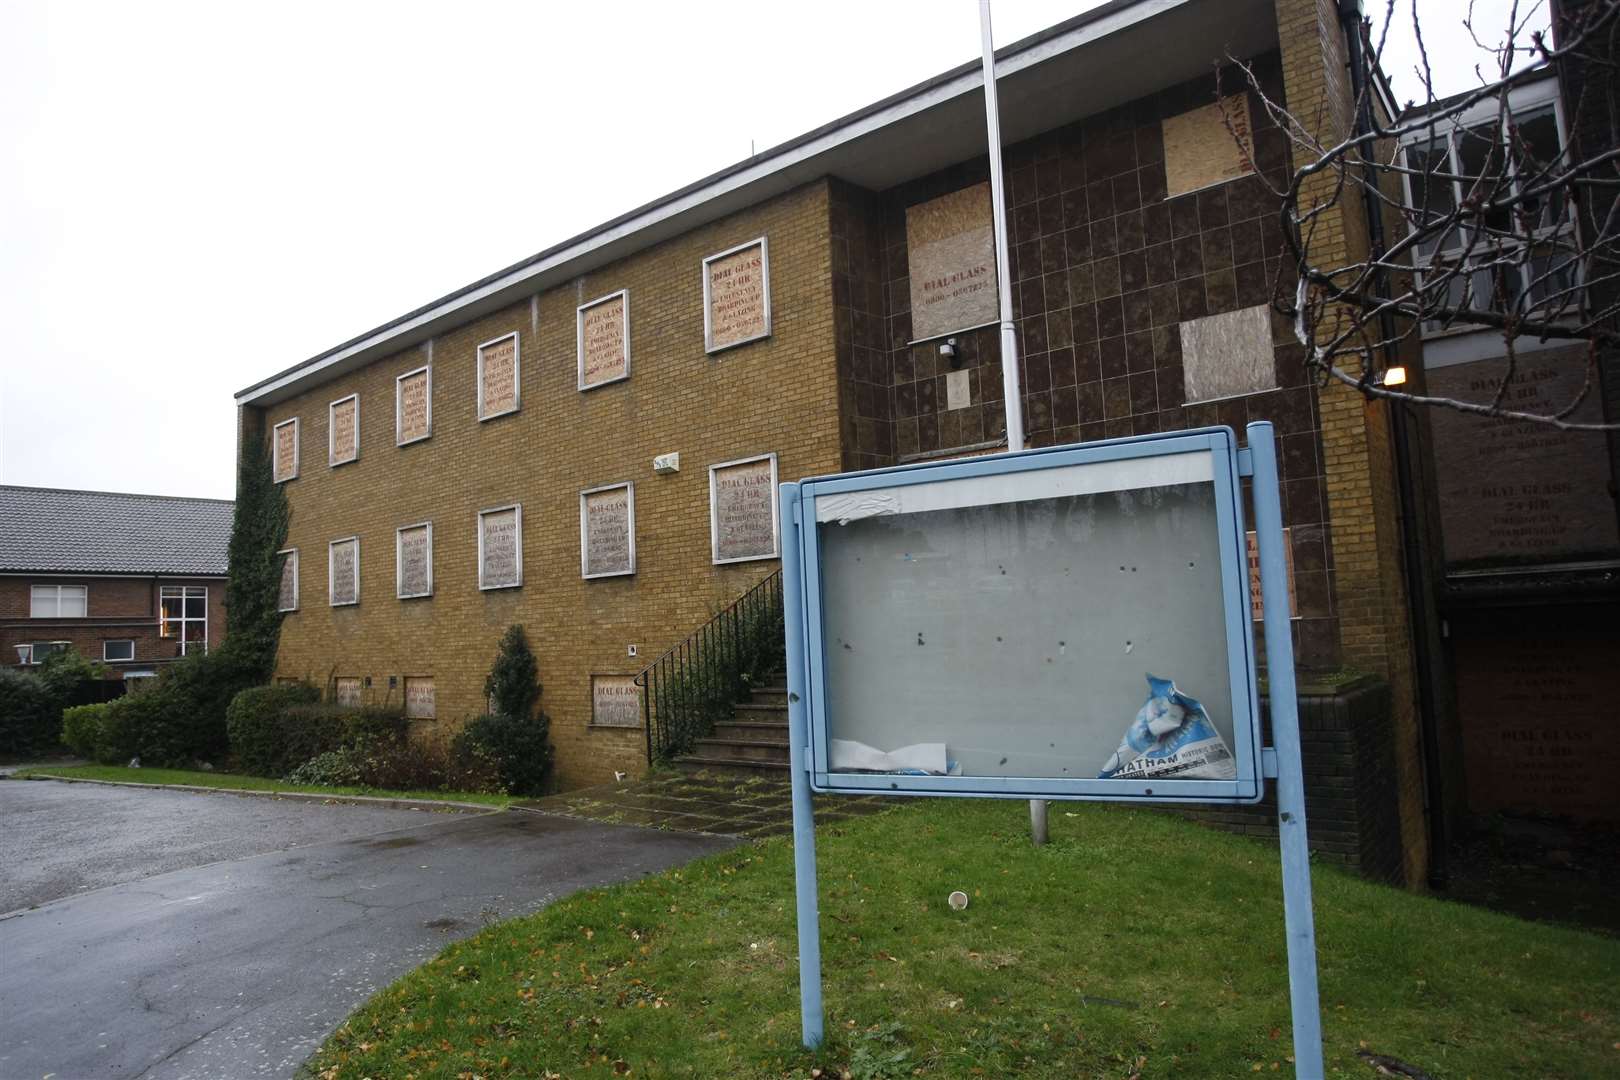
[[1072, 622]]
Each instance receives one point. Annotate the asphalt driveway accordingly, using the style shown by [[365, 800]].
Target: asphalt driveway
[[280, 920]]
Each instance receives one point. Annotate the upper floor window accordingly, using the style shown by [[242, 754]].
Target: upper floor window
[[58, 602], [1520, 256], [185, 617]]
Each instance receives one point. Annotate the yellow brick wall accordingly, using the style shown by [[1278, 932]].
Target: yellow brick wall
[[777, 395], [1368, 577]]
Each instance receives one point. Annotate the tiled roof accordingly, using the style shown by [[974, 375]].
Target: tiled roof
[[102, 532]]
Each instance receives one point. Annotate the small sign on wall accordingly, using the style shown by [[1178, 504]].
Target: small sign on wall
[[1257, 606], [615, 701], [603, 330], [742, 509], [736, 296], [1228, 355]]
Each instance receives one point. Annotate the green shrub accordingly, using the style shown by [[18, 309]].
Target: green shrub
[[517, 747], [375, 722], [70, 678], [399, 765], [30, 716], [258, 732], [123, 722], [513, 684], [82, 727], [195, 693]]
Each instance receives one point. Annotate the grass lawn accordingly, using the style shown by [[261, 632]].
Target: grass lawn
[[237, 782], [1133, 945]]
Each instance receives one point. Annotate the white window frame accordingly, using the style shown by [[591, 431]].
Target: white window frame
[[399, 561], [33, 600], [184, 593], [517, 376], [118, 659], [332, 460], [714, 511], [297, 450], [518, 520], [399, 397], [1532, 97], [579, 339], [584, 530], [764, 245], [292, 557], [331, 593], [33, 657]]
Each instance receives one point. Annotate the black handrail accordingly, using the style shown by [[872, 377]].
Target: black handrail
[[699, 681]]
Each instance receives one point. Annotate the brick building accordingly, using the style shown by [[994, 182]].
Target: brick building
[[135, 581], [440, 466]]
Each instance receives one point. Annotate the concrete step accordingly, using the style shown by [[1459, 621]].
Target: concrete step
[[750, 711], [768, 695], [694, 763], [749, 729], [741, 749]]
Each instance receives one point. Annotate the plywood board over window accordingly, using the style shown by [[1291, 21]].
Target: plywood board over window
[[343, 430], [287, 598], [413, 560], [742, 510], [737, 296], [413, 406], [500, 547], [951, 250], [1228, 355], [500, 381], [615, 701], [607, 531], [604, 340], [419, 700], [343, 571], [284, 451], [1208, 145]]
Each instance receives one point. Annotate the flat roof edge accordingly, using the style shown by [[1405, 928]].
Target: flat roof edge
[[772, 161]]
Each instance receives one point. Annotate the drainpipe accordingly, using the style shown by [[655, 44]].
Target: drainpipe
[[1418, 581]]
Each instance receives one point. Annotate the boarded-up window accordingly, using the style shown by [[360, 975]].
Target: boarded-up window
[[1227, 355], [950, 244], [615, 701], [347, 691], [288, 597], [284, 450], [419, 704], [343, 430], [1208, 145]]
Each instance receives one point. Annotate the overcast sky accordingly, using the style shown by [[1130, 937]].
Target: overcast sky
[[195, 196]]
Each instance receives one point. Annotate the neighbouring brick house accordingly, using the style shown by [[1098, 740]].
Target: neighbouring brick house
[[135, 581], [445, 470]]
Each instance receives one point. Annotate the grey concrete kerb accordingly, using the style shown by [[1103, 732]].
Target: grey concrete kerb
[[307, 796]]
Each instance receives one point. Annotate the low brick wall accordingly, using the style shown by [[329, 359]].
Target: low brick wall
[[1346, 736]]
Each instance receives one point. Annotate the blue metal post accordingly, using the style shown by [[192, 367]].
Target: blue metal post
[[1296, 853], [811, 1020]]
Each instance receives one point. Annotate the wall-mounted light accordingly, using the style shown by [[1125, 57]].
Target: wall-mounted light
[[948, 351], [667, 463], [1394, 376]]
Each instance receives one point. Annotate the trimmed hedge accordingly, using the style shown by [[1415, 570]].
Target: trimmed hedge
[[259, 738], [29, 713]]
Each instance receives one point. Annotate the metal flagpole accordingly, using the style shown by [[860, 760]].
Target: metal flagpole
[[1011, 385]]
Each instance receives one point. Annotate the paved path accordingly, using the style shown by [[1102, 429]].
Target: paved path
[[751, 807], [240, 967]]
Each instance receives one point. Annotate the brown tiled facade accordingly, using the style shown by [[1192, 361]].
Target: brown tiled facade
[[117, 609]]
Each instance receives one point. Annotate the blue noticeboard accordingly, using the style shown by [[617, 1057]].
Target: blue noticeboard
[[1001, 617], [1066, 623]]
